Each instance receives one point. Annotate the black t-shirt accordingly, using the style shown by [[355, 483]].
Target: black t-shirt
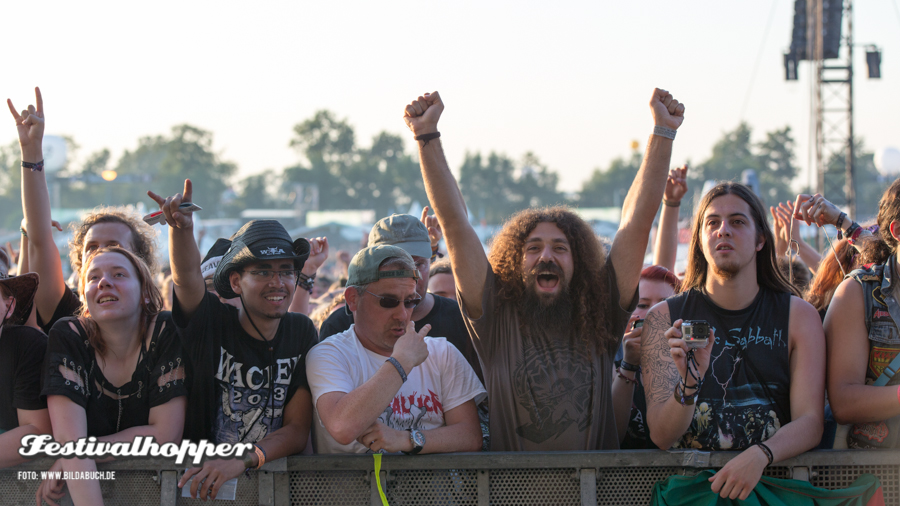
[[21, 355], [69, 305], [445, 319], [71, 369], [745, 397], [232, 397]]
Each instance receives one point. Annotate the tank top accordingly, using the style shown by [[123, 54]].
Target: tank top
[[745, 397]]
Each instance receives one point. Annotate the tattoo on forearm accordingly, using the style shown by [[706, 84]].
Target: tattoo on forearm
[[660, 373]]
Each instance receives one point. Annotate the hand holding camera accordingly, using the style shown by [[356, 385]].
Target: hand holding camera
[[686, 335]]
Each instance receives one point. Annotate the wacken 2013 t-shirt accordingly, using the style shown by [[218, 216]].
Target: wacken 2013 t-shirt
[[239, 385], [549, 388], [745, 395]]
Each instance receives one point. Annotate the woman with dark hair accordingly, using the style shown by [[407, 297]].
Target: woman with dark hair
[[863, 340], [104, 226], [656, 285], [116, 371]]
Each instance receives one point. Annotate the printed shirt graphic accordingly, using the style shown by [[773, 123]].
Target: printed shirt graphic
[[745, 396], [239, 385], [442, 382], [252, 398], [549, 389]]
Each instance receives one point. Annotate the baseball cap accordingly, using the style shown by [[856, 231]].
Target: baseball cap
[[404, 231]]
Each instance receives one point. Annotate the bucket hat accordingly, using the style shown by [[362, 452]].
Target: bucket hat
[[23, 288]]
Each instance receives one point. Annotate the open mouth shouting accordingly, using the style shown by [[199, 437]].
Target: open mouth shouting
[[547, 277]]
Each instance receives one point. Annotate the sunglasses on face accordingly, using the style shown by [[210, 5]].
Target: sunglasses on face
[[390, 302]]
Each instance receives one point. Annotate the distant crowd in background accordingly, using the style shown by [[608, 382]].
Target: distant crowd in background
[[420, 342]]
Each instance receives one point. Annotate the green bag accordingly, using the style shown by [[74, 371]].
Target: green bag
[[679, 490]]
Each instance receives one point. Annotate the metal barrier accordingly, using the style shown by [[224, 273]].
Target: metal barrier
[[619, 478]]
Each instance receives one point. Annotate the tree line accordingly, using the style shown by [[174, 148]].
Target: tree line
[[385, 177]]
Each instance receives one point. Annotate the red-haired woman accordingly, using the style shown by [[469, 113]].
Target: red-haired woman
[[656, 285], [117, 371]]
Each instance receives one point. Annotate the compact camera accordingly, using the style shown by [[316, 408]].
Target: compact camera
[[695, 333]]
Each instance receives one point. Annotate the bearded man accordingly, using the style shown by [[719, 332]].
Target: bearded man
[[546, 311]]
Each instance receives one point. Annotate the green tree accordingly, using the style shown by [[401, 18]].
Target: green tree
[[382, 177], [497, 187], [168, 160], [607, 188], [10, 186], [870, 184]]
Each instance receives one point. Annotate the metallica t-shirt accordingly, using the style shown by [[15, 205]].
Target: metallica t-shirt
[[239, 385], [437, 385], [549, 388]]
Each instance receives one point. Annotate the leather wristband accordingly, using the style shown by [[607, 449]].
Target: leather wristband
[[427, 137], [768, 453], [672, 204], [629, 367], [399, 367]]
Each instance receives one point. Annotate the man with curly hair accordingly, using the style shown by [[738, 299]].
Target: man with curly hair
[[546, 311]]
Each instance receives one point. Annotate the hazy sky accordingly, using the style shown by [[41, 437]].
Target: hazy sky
[[569, 81]]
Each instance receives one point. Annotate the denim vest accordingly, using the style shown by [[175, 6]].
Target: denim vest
[[882, 311]]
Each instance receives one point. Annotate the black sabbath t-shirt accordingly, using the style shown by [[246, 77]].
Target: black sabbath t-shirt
[[745, 397], [239, 385]]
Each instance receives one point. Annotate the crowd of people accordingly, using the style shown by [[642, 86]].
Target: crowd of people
[[550, 341]]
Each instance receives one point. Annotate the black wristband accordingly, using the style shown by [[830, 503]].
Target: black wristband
[[427, 137], [767, 451], [393, 361], [629, 367], [35, 167]]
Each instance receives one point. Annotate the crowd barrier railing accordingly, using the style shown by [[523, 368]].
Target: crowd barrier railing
[[620, 478]]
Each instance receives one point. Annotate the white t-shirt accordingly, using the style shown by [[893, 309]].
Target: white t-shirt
[[341, 364]]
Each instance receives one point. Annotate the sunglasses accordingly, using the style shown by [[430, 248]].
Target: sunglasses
[[390, 302]]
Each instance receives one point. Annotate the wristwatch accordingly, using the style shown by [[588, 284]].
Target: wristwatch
[[418, 441]]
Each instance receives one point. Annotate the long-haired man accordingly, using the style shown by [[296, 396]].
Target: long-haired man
[[547, 309], [758, 385]]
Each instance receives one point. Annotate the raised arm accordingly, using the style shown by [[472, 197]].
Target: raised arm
[[184, 255], [318, 253], [467, 258], [665, 249], [44, 256], [642, 201]]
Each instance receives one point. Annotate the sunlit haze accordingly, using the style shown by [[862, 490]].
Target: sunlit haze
[[569, 81]]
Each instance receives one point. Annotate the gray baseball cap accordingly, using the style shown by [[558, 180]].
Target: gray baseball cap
[[364, 266], [402, 230]]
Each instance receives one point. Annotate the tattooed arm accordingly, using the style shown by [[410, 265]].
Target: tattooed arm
[[663, 365]]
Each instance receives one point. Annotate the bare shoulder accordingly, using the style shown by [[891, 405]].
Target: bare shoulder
[[805, 324]]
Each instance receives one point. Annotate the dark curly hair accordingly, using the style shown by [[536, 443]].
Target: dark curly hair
[[143, 237], [588, 289]]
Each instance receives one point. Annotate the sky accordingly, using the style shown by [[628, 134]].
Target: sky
[[567, 80]]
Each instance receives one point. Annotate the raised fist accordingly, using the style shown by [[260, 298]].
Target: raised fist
[[423, 113], [667, 111]]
